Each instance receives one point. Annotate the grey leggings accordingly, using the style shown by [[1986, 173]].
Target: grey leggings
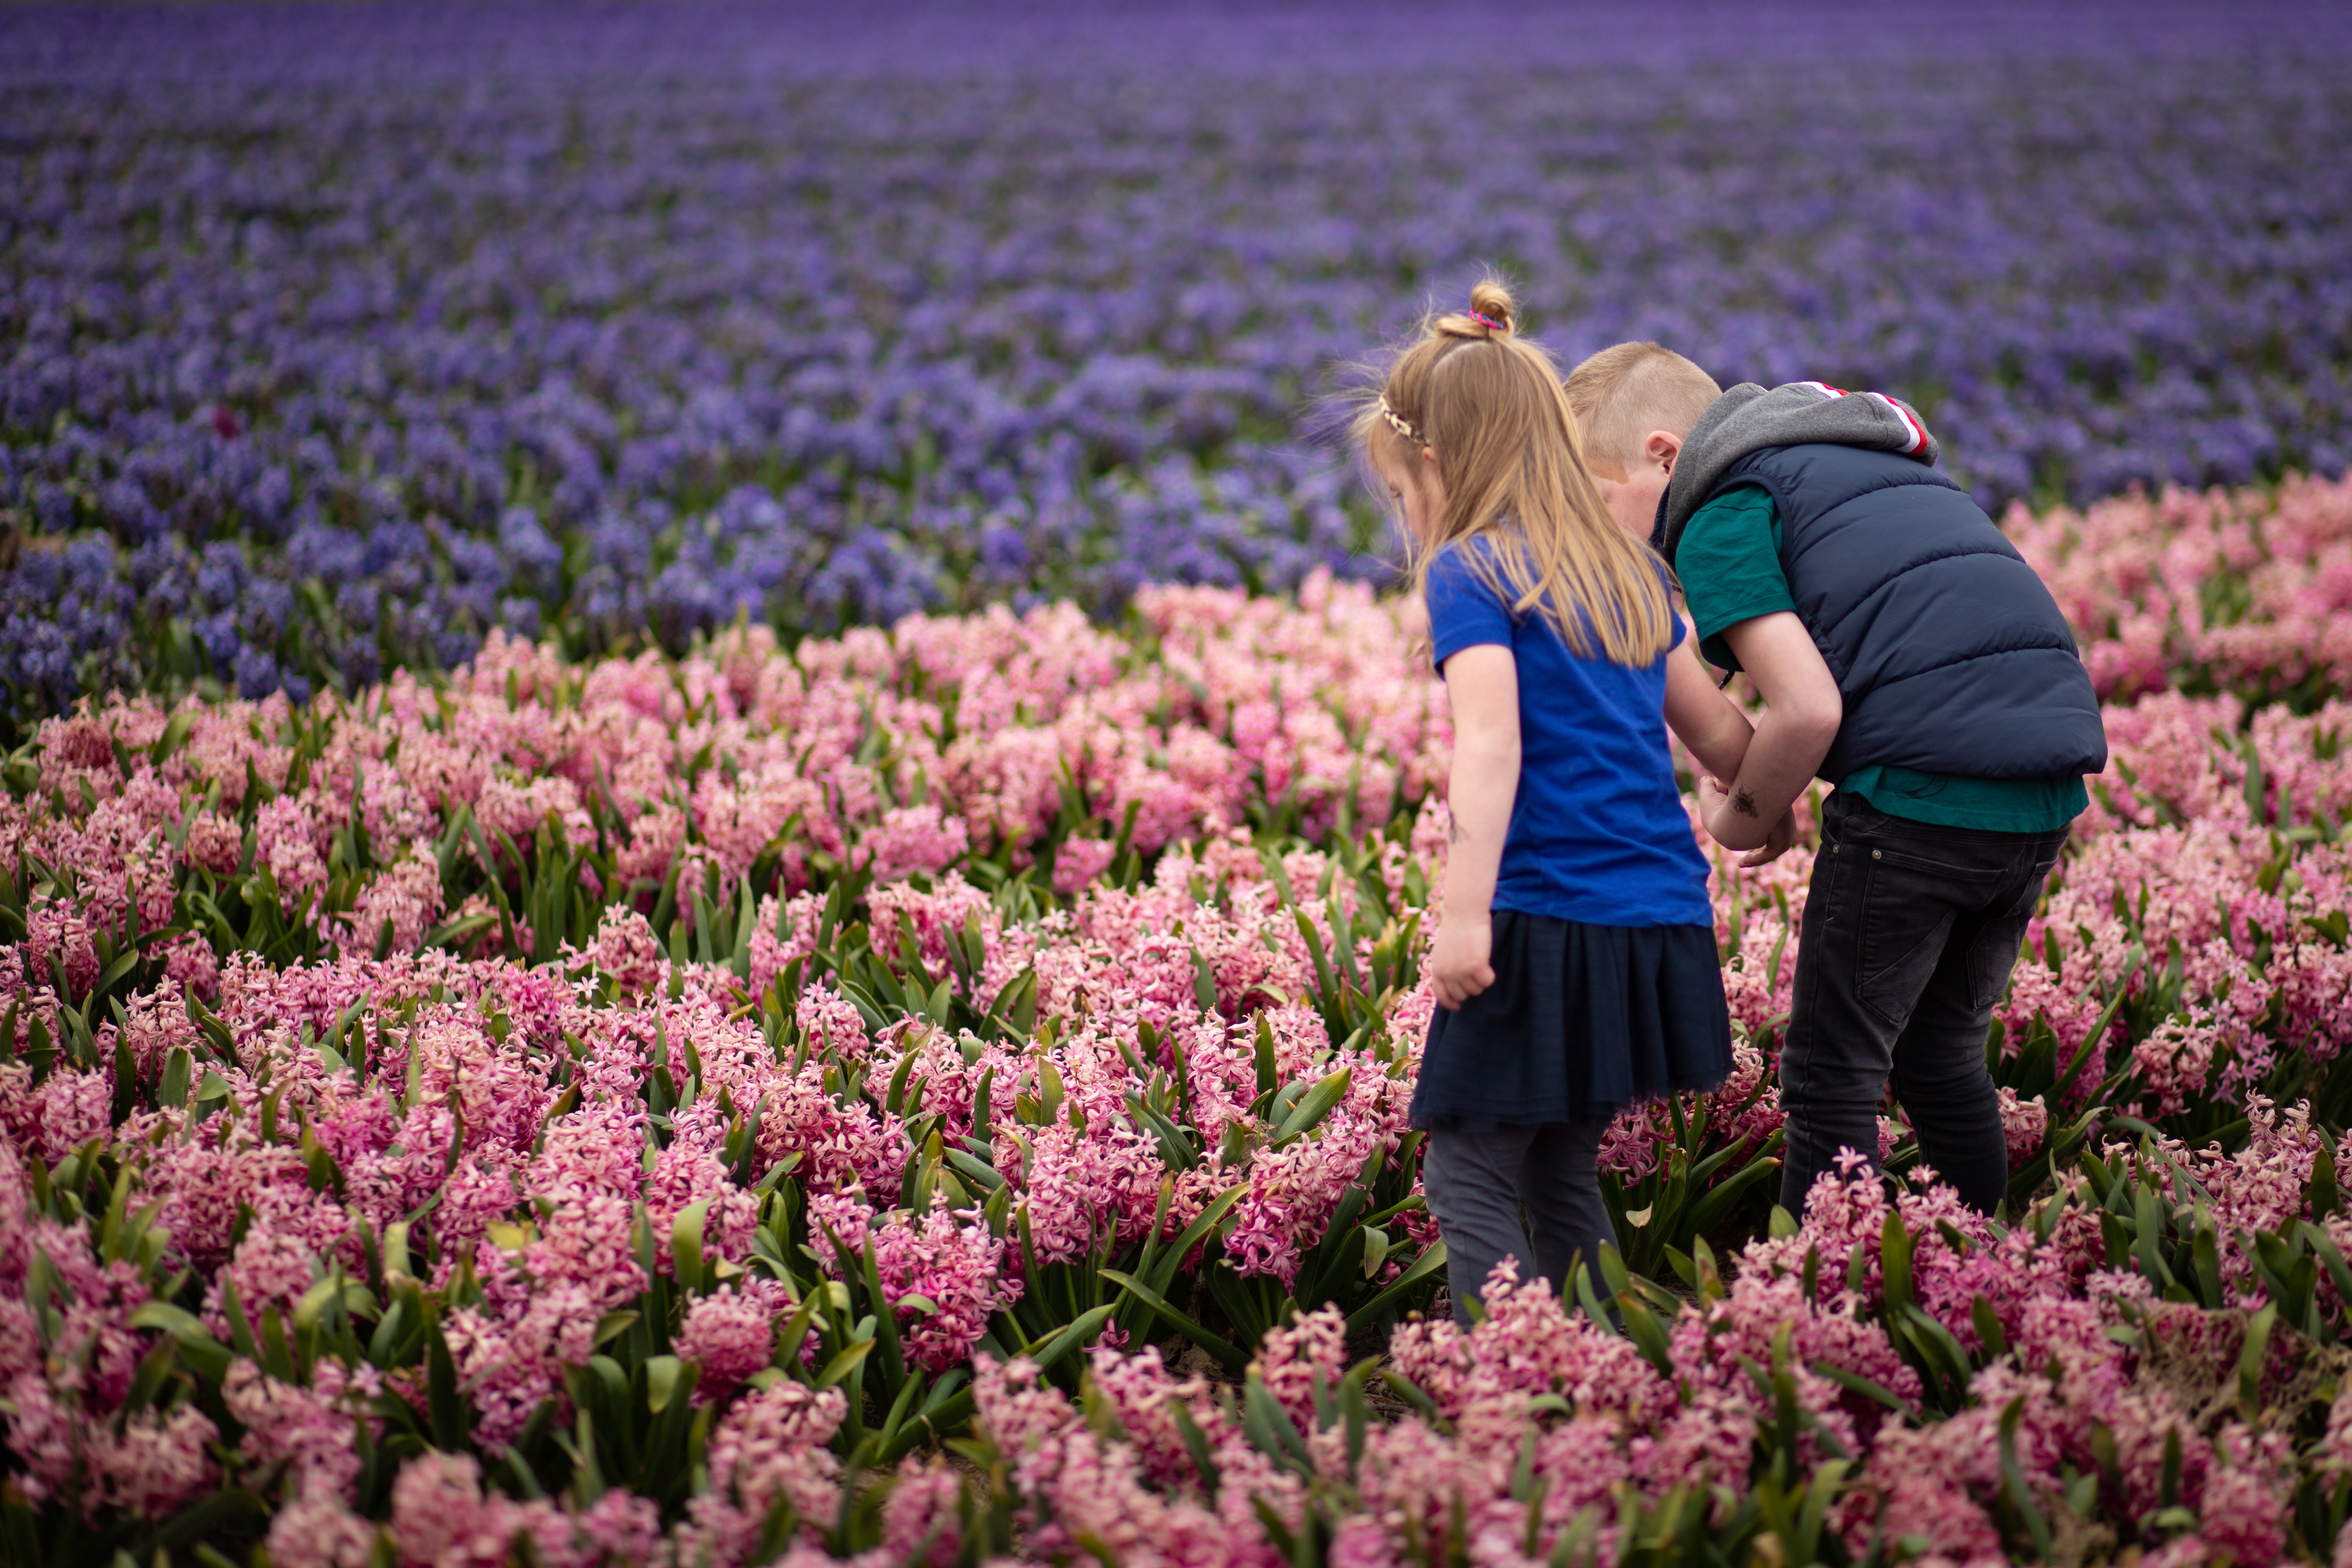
[[1476, 1183]]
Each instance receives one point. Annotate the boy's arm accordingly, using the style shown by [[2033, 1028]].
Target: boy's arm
[[1802, 710], [1481, 685]]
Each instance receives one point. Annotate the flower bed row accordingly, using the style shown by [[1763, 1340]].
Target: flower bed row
[[635, 1106]]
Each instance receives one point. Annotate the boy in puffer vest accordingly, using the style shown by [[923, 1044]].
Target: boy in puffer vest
[[1906, 653]]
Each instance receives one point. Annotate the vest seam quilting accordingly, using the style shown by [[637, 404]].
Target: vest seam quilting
[[1882, 684], [1962, 552]]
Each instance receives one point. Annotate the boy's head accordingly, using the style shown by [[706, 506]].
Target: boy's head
[[1635, 404]]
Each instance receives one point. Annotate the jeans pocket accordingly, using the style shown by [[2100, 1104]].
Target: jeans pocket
[[1993, 954], [1908, 906]]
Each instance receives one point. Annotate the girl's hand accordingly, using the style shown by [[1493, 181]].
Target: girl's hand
[[1459, 966], [1710, 802], [1724, 820]]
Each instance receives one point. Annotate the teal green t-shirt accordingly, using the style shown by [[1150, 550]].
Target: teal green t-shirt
[[1730, 563]]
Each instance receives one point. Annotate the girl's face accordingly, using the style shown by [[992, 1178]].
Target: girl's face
[[1410, 473]]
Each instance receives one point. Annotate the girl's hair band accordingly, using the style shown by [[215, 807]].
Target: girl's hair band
[[1399, 423], [1488, 321]]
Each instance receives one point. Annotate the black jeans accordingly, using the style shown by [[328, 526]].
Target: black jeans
[[1910, 931]]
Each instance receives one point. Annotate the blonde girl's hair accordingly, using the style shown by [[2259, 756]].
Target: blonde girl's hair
[[1490, 405]]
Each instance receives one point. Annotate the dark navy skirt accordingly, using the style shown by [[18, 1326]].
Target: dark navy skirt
[[1580, 1022]]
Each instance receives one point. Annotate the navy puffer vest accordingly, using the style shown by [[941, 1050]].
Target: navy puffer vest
[[1949, 651]]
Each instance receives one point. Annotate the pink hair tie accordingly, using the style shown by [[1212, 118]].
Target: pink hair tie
[[1488, 322]]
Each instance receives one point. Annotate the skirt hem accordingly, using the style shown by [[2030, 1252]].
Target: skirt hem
[[1582, 1022]]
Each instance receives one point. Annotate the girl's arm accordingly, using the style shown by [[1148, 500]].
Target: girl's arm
[[1715, 733], [1481, 685], [1709, 724]]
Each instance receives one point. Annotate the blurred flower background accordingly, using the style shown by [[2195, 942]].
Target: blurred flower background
[[333, 336]]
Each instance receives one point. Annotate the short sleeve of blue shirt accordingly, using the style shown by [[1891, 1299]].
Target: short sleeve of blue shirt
[[1464, 612], [1598, 831]]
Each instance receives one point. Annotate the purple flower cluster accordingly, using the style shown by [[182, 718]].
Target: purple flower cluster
[[332, 338]]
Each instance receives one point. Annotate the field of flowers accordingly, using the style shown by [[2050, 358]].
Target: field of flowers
[[333, 337], [939, 1092], [669, 891]]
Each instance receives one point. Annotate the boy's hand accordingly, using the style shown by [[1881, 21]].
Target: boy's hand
[[1459, 966], [1783, 835]]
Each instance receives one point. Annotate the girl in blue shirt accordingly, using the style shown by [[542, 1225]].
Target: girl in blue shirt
[[1575, 964]]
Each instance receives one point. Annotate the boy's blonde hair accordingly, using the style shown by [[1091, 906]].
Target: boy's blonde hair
[[1489, 404], [1626, 391]]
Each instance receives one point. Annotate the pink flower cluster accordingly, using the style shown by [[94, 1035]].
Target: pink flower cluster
[[497, 1116], [2244, 590], [441, 1515], [2100, 1400], [901, 752]]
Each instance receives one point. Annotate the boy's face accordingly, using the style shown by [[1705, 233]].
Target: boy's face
[[1632, 499], [1409, 474]]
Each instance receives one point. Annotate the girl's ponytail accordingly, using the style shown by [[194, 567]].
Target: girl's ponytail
[[1488, 318]]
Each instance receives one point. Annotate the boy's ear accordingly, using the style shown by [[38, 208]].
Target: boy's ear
[[1662, 447]]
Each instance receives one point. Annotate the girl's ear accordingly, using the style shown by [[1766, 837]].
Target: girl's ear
[[1429, 455]]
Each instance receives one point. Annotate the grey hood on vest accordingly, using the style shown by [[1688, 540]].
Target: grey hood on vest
[[1748, 419]]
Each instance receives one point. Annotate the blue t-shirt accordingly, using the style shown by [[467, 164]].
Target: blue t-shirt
[[1597, 830]]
